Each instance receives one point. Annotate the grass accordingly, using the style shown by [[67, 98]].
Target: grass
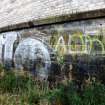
[[21, 90], [24, 90], [94, 94]]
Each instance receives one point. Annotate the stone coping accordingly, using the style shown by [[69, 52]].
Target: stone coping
[[100, 13]]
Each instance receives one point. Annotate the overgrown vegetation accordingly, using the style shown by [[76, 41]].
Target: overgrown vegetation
[[21, 90], [94, 94], [24, 90]]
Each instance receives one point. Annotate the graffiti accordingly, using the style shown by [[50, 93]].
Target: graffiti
[[7, 43], [79, 44], [32, 55], [26, 54], [74, 44], [60, 46]]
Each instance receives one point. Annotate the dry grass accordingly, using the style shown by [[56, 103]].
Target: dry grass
[[28, 94]]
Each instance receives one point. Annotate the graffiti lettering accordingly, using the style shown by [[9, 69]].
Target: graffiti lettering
[[79, 44]]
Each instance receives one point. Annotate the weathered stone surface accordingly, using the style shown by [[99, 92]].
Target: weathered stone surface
[[20, 11]]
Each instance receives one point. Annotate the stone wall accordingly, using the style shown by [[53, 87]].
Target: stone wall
[[22, 48], [93, 30], [18, 11]]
